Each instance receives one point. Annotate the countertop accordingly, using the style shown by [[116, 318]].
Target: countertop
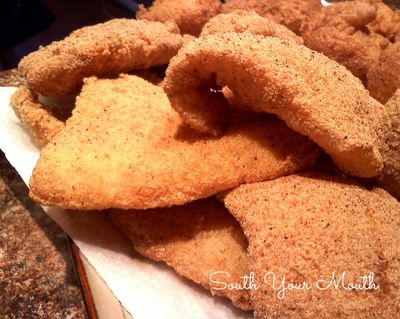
[[37, 277]]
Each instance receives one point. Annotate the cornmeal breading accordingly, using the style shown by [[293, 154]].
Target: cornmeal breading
[[198, 240], [105, 49], [125, 147], [307, 227], [314, 95]]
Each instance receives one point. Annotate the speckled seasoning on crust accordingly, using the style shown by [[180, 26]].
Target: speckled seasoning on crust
[[314, 95], [248, 21], [105, 49], [128, 149], [308, 226], [196, 239]]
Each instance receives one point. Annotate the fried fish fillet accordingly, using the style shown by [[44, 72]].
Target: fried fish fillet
[[384, 74], [126, 148], [105, 49], [190, 15], [311, 93], [199, 240], [390, 177], [288, 13], [311, 227], [248, 21], [40, 122], [350, 33], [44, 117]]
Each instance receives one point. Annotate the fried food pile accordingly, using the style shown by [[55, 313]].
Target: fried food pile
[[288, 13], [325, 104], [240, 21], [190, 15], [364, 38], [220, 143]]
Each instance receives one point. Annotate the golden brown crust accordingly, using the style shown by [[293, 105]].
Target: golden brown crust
[[248, 21], [384, 74], [308, 226], [289, 13], [311, 93], [105, 49], [187, 38], [190, 15], [128, 149], [197, 240], [387, 22], [390, 177], [37, 119], [340, 31]]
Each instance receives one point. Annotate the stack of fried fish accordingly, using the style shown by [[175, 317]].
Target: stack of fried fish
[[221, 144]]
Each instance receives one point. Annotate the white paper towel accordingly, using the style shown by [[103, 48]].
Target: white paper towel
[[146, 289]]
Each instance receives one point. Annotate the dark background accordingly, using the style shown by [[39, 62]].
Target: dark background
[[27, 24]]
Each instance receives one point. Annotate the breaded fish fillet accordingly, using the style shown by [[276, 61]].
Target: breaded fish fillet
[[190, 15], [40, 122], [289, 13], [126, 148], [311, 227], [384, 74], [248, 21], [105, 49], [311, 93], [196, 239]]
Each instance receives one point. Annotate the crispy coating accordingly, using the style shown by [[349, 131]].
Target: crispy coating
[[384, 75], [190, 15], [187, 38], [390, 177], [39, 121], [248, 21], [306, 227], [288, 13], [240, 21], [105, 49], [387, 22], [352, 33], [311, 93], [196, 239], [128, 149]]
